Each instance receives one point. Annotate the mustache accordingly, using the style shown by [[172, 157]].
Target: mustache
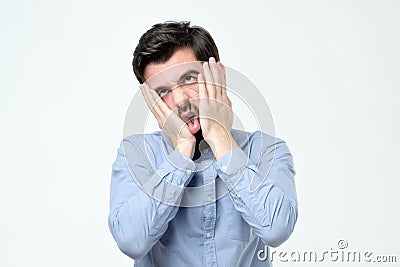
[[187, 106]]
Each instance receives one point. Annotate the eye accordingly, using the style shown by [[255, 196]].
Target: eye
[[163, 92], [189, 79]]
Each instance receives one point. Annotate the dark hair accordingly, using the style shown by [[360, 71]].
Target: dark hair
[[159, 43]]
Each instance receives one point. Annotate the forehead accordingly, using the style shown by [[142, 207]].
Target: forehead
[[181, 61]]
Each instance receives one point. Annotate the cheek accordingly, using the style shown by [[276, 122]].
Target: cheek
[[193, 91], [169, 102], [196, 88]]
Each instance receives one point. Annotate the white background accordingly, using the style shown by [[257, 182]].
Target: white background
[[328, 69]]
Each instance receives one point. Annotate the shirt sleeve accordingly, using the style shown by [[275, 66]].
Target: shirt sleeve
[[262, 188], [140, 213]]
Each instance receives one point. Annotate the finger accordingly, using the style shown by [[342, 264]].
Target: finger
[[154, 102], [160, 104], [146, 95], [203, 95], [224, 94], [209, 82], [167, 120], [152, 107], [229, 102], [202, 88], [164, 114], [158, 101], [150, 99], [222, 72], [216, 78]]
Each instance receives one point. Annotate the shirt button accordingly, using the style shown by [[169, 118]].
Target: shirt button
[[188, 171], [208, 234], [224, 168], [209, 199], [205, 150]]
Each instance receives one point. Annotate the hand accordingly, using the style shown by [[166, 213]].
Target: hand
[[215, 108], [171, 124]]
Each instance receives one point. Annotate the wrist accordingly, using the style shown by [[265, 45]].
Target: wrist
[[186, 147], [222, 145]]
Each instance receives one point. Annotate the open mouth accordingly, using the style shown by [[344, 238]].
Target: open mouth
[[189, 114], [192, 121]]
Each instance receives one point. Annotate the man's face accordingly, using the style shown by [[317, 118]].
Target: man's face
[[175, 81]]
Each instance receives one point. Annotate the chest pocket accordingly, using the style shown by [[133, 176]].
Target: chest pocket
[[238, 229]]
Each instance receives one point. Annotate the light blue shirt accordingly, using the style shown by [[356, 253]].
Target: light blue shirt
[[169, 210]]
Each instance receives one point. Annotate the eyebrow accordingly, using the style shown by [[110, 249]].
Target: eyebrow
[[188, 72]]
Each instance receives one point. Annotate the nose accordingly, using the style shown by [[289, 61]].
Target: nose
[[179, 96]]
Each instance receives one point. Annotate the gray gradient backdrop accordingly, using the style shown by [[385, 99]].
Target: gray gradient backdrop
[[328, 69]]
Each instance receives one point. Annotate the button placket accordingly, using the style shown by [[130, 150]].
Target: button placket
[[209, 216]]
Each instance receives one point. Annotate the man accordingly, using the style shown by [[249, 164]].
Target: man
[[182, 196]]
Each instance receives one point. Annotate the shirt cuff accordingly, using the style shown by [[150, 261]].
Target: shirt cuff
[[180, 166], [231, 163]]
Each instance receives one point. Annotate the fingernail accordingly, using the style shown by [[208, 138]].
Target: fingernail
[[212, 59]]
